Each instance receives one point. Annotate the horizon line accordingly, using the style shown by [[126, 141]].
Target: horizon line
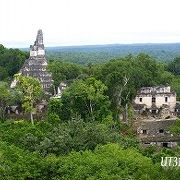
[[105, 44]]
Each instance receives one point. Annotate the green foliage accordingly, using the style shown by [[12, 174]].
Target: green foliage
[[12, 131], [4, 98], [125, 76], [31, 90], [155, 153], [7, 97], [54, 111], [175, 84], [85, 98], [174, 66], [107, 162], [29, 153], [103, 53], [110, 161], [80, 139], [63, 71], [3, 73], [54, 106], [59, 138], [19, 164], [75, 135], [175, 128], [53, 118], [149, 72], [11, 61]]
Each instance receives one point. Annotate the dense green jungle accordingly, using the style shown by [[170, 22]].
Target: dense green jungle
[[80, 135]]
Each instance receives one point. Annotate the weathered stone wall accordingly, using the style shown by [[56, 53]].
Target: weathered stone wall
[[159, 102], [156, 98], [153, 127], [157, 132]]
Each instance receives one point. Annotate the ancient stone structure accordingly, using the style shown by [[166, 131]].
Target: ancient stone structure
[[156, 110], [36, 64], [156, 100], [156, 132]]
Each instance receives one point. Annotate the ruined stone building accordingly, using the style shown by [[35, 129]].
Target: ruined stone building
[[156, 110], [36, 64], [156, 132], [160, 100]]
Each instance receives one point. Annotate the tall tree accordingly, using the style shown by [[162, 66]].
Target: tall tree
[[32, 92], [87, 99], [125, 76], [118, 77]]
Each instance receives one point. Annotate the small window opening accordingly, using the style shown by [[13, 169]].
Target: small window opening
[[140, 99], [165, 144], [161, 131], [144, 131], [153, 100], [153, 111], [166, 99]]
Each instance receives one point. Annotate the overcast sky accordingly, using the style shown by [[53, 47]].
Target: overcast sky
[[79, 22]]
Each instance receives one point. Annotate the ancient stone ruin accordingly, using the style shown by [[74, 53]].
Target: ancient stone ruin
[[36, 64], [156, 110], [156, 101]]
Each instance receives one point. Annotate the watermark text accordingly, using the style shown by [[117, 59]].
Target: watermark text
[[170, 161]]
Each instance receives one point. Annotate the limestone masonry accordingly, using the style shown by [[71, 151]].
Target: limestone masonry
[[156, 110], [36, 64]]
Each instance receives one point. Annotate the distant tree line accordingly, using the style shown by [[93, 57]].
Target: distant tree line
[[103, 53]]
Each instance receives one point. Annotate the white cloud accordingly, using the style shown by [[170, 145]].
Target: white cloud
[[67, 22]]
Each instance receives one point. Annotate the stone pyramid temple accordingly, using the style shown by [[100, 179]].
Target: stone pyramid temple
[[36, 64]]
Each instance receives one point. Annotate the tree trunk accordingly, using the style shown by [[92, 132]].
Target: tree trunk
[[126, 113], [32, 120], [91, 109]]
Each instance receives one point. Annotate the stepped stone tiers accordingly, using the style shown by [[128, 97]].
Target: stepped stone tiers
[[36, 64]]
